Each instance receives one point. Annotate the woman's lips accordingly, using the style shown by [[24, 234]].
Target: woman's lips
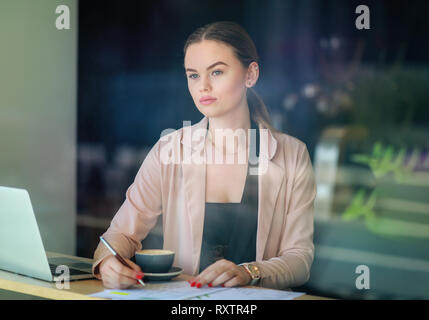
[[207, 100]]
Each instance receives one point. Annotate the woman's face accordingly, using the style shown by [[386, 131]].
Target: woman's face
[[213, 70]]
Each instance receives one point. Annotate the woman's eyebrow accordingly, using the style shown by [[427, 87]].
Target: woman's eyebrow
[[209, 67]]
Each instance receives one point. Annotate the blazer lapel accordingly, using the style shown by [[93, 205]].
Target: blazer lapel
[[195, 188], [269, 186], [194, 183]]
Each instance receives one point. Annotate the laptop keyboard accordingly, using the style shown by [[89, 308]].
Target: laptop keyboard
[[73, 272]]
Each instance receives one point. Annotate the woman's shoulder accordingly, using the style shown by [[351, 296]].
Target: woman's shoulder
[[289, 143], [167, 147], [180, 135], [292, 153], [170, 135]]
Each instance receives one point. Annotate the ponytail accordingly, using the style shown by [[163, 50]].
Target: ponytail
[[258, 110]]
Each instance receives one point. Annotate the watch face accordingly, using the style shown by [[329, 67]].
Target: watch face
[[254, 270]]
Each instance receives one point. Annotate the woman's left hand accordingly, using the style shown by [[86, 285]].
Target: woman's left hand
[[222, 272]]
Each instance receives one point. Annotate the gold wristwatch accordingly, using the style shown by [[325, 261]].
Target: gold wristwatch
[[253, 271]]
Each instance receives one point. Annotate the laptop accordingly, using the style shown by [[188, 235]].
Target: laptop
[[21, 247]]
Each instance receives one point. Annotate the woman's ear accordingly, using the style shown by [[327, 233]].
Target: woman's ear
[[252, 74]]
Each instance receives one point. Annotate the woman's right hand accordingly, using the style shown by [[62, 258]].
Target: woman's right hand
[[117, 276]]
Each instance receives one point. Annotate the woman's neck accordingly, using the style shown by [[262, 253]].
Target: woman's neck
[[238, 120], [226, 126]]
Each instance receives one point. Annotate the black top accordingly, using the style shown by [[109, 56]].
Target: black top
[[230, 228]]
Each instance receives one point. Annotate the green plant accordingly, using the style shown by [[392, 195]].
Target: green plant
[[383, 161], [359, 207]]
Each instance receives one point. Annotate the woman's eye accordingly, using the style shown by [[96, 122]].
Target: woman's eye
[[194, 74]]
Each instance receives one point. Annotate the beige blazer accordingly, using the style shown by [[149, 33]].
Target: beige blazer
[[287, 189]]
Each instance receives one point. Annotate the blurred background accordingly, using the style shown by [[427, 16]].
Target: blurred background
[[357, 98]]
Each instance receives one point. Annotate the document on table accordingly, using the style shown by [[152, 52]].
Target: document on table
[[181, 290], [251, 294]]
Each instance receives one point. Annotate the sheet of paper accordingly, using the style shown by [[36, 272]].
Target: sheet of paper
[[169, 290], [250, 294], [181, 290]]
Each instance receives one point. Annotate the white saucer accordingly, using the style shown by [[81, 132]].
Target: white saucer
[[173, 272]]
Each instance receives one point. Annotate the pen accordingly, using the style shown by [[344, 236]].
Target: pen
[[118, 256]]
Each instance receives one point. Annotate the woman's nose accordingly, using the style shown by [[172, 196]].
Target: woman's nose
[[205, 84]]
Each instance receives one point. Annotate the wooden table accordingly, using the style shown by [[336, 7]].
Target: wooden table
[[79, 290]]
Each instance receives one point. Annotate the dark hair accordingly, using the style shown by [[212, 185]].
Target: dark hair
[[234, 35]]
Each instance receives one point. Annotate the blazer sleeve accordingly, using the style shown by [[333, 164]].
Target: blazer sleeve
[[292, 267], [138, 214]]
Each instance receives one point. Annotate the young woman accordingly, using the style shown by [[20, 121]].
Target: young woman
[[223, 230]]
